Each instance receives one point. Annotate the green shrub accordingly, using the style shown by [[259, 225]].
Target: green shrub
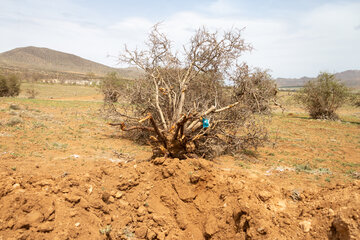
[[112, 86], [9, 86], [322, 96], [3, 86], [14, 121], [355, 99]]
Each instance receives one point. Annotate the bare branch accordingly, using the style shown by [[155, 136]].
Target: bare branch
[[179, 90], [124, 128]]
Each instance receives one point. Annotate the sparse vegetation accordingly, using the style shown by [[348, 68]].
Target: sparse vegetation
[[14, 121], [31, 92], [112, 86], [180, 94], [309, 153], [323, 96], [9, 86], [106, 230], [355, 99]]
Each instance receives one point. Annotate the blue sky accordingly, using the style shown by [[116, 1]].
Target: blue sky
[[291, 38]]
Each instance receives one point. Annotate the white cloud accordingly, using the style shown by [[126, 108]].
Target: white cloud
[[134, 23], [325, 38], [322, 39], [222, 7]]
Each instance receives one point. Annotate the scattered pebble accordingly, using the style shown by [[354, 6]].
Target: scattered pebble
[[90, 190], [305, 226], [118, 194]]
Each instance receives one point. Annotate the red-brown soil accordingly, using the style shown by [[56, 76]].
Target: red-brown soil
[[65, 174], [173, 199]]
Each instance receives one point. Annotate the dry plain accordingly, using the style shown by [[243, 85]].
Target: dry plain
[[66, 174]]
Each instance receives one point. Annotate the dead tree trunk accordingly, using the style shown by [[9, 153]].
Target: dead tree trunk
[[178, 92]]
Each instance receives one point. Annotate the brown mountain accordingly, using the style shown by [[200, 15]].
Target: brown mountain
[[350, 78], [48, 59]]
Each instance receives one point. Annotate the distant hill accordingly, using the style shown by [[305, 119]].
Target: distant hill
[[350, 78], [48, 59]]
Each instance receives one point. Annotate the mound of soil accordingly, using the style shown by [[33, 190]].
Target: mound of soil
[[172, 199]]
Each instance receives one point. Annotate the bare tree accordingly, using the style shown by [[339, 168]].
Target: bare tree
[[187, 107]]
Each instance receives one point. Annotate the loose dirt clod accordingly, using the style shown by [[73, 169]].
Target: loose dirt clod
[[305, 226]]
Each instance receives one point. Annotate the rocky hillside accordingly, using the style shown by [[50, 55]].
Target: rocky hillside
[[51, 60], [350, 78]]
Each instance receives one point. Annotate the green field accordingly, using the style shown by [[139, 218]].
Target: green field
[[57, 91]]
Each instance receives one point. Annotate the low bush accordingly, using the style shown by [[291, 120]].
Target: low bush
[[322, 96], [9, 86]]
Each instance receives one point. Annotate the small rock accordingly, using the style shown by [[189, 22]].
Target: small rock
[[160, 235], [10, 223], [45, 182], [90, 190], [141, 211], [211, 226], [305, 226], [16, 185], [194, 178], [331, 212], [159, 161], [261, 230], [150, 235], [123, 203], [35, 217], [14, 106], [140, 219], [150, 210], [84, 204], [181, 220], [296, 195], [111, 199], [264, 196], [136, 205], [167, 172], [64, 174], [141, 232], [160, 220], [30, 220], [45, 227], [65, 190], [87, 177], [210, 185], [141, 170], [105, 197], [127, 185], [72, 199], [287, 222], [77, 224], [185, 193], [118, 194]]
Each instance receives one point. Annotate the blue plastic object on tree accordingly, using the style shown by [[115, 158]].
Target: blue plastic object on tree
[[205, 122]]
